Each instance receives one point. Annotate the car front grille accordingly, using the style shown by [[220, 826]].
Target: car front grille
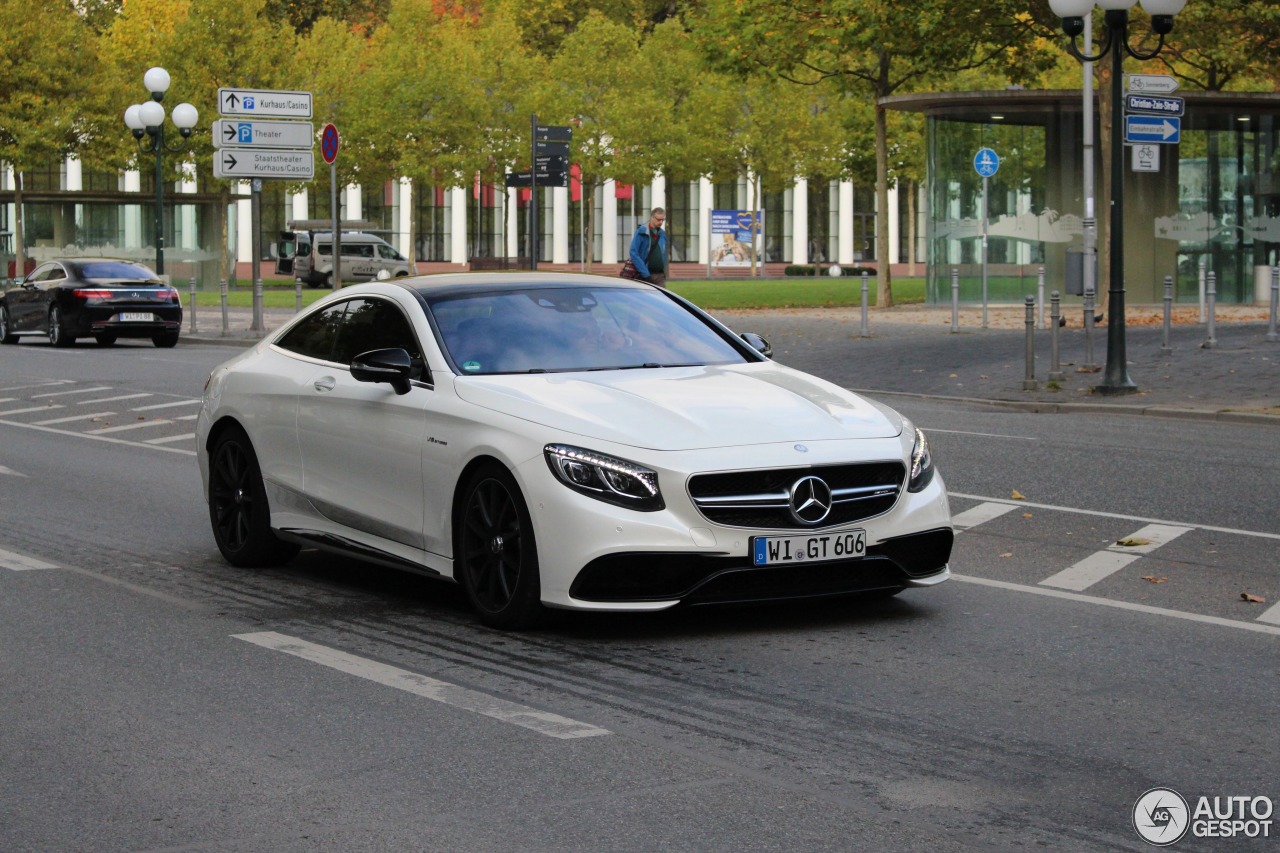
[[762, 499]]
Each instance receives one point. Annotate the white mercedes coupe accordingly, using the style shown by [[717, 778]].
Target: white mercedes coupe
[[566, 441]]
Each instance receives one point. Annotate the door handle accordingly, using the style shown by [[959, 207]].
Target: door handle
[[326, 383]]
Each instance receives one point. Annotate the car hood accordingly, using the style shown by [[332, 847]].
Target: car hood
[[685, 408]]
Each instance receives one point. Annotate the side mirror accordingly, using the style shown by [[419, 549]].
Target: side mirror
[[757, 343], [392, 366], [20, 281]]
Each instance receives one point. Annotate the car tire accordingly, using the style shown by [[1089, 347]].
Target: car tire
[[165, 340], [238, 508], [105, 340], [495, 554], [328, 280], [6, 334], [58, 336]]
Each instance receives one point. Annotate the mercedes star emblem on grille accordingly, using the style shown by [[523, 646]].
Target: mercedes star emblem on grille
[[810, 500]]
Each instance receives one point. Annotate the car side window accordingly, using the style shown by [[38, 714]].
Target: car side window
[[372, 324], [315, 336], [389, 254], [40, 274]]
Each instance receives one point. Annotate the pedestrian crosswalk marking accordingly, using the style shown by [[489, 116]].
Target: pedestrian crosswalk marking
[[980, 514], [20, 563], [72, 391], [85, 416], [1090, 570]]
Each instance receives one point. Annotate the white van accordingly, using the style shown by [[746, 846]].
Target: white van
[[308, 256]]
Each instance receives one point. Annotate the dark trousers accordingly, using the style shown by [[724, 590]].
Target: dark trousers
[[658, 278]]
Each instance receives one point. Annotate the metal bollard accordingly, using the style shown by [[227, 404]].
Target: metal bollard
[[257, 308], [1204, 263], [866, 333], [955, 300], [1029, 383], [1165, 349], [1089, 366], [1055, 361], [1275, 298], [1211, 297], [1040, 298], [297, 295], [222, 297], [193, 303]]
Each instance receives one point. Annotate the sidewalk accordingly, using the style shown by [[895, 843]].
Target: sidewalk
[[912, 351]]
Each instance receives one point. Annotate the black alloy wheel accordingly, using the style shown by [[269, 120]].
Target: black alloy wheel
[[6, 334], [238, 509], [164, 340], [495, 555], [105, 340], [57, 335]]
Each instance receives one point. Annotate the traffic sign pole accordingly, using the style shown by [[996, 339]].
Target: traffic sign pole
[[533, 198], [986, 162]]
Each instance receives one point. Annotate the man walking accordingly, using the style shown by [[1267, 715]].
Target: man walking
[[649, 249]]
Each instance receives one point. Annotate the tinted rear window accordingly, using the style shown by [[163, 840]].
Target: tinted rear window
[[115, 270]]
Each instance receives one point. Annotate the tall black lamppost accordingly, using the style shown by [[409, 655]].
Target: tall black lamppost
[[148, 118], [1115, 379]]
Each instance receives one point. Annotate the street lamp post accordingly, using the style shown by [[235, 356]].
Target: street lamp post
[[1115, 378], [148, 119]]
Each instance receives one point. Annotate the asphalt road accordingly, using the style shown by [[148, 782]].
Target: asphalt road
[[158, 699]]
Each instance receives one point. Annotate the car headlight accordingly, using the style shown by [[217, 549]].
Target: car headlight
[[921, 464], [605, 478]]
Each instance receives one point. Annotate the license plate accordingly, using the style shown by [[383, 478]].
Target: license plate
[[815, 548], [136, 317]]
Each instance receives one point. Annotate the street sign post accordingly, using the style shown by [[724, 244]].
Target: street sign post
[[264, 102], [1158, 129], [1154, 105], [986, 163], [240, 133], [288, 163], [1149, 84]]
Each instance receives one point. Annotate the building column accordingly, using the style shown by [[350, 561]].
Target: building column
[[404, 218], [244, 224], [658, 194], [299, 205], [609, 222], [354, 203], [559, 225], [844, 239], [513, 222], [75, 175], [706, 203], [187, 217], [132, 212], [895, 229], [458, 214], [800, 222]]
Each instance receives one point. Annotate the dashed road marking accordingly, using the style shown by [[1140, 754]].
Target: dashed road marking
[[1271, 615], [72, 391], [126, 427], [1155, 535], [190, 436], [74, 418], [980, 514], [543, 722], [113, 399], [1090, 570], [165, 405], [20, 563], [45, 408]]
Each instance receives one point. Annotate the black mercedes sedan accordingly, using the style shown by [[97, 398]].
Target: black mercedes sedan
[[102, 298]]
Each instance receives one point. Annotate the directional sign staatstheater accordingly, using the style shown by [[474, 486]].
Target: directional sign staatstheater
[[241, 133], [288, 163]]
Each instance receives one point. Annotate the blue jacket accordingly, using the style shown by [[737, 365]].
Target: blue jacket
[[639, 252]]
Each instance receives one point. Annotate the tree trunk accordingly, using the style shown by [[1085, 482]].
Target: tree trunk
[[884, 290], [588, 197], [755, 228], [224, 260], [19, 237], [1102, 188]]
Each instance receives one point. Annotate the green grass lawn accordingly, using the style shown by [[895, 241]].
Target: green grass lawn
[[718, 295]]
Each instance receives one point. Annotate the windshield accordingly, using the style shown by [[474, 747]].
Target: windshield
[[553, 329], [115, 271]]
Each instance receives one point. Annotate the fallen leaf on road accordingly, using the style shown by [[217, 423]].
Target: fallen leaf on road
[[1252, 599], [1027, 515], [1133, 542], [983, 376], [1154, 579], [1007, 554], [954, 376], [1018, 496]]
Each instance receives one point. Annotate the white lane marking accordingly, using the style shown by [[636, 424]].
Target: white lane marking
[[979, 434], [91, 435], [552, 725], [980, 514], [7, 399], [1101, 514], [74, 418], [74, 391], [1124, 605], [19, 563], [1271, 615], [165, 405], [190, 436], [112, 399], [45, 408], [48, 384], [187, 417], [139, 425], [11, 472], [1155, 534], [1090, 570]]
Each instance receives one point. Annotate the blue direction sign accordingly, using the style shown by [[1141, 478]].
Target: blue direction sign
[[986, 162], [1154, 104], [1159, 129]]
